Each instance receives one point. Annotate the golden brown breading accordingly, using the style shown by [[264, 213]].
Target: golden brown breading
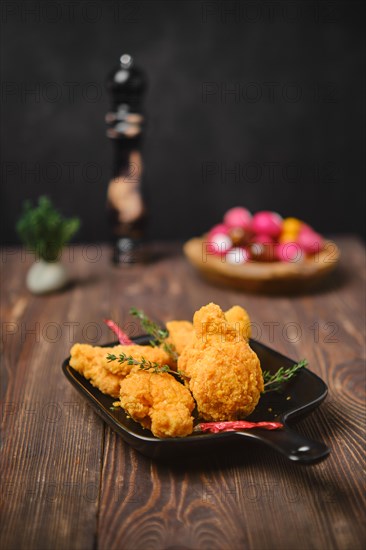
[[159, 402], [239, 318], [225, 375], [209, 324], [225, 380], [91, 362], [181, 334]]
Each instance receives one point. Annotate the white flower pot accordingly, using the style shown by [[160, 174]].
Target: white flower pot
[[44, 277]]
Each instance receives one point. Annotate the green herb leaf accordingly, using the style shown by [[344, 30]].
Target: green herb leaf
[[144, 364], [273, 382], [44, 231], [155, 331]]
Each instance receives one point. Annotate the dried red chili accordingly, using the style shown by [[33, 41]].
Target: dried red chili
[[122, 336], [232, 426]]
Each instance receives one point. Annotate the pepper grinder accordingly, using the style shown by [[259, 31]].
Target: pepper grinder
[[125, 203]]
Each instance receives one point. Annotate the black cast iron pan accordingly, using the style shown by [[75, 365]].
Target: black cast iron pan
[[297, 399]]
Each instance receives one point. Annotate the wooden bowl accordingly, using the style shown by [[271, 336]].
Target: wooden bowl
[[266, 277]]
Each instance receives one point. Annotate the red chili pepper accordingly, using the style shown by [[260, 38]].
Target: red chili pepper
[[122, 336], [232, 426]]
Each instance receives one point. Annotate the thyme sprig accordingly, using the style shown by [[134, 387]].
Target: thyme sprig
[[144, 364], [273, 382], [159, 335]]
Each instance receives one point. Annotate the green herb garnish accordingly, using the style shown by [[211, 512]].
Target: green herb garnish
[[273, 382], [44, 230], [159, 335], [144, 364]]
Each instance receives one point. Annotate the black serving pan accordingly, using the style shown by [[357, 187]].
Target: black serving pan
[[297, 399]]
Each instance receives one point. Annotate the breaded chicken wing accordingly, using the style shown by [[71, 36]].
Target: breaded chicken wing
[[224, 373], [159, 402], [181, 334], [91, 362], [239, 318]]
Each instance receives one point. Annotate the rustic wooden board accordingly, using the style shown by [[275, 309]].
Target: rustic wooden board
[[69, 482]]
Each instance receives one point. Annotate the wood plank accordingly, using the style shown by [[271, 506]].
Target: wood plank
[[69, 482], [257, 500], [52, 442]]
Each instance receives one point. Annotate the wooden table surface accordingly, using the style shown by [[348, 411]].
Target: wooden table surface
[[69, 482]]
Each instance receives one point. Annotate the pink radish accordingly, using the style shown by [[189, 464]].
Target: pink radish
[[310, 241], [289, 252], [218, 243], [238, 217], [237, 256], [267, 223], [219, 229]]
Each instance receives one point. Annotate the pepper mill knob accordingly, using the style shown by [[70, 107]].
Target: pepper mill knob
[[126, 61], [127, 86]]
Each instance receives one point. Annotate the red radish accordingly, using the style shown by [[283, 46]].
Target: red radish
[[267, 223], [237, 256], [262, 239], [289, 252], [263, 252], [218, 243], [310, 241], [262, 248], [122, 336], [305, 228], [238, 217], [239, 236], [220, 229]]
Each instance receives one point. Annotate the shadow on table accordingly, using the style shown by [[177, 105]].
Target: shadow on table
[[245, 453], [149, 254]]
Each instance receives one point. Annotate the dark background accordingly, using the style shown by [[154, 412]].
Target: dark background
[[293, 131]]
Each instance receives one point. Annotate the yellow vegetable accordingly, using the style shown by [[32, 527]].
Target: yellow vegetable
[[290, 230]]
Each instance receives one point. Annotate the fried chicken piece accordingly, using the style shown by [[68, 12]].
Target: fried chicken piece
[[224, 373], [158, 402], [91, 362], [239, 318], [210, 322], [181, 334]]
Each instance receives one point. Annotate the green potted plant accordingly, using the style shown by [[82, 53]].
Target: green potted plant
[[45, 232]]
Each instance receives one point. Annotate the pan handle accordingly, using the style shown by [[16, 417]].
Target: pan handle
[[294, 446]]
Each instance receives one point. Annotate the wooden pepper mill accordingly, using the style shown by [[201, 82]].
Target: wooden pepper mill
[[125, 201]]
